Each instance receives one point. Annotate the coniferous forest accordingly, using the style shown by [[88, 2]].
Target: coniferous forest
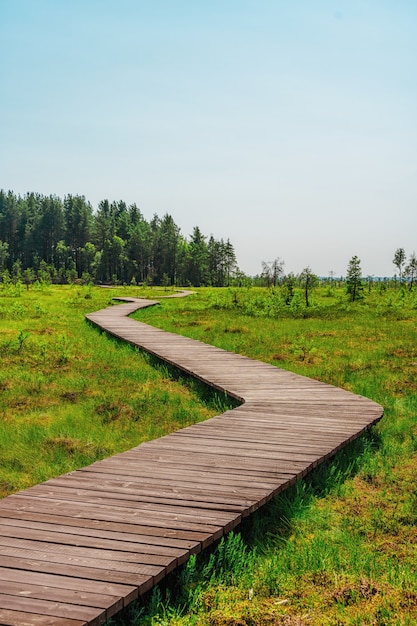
[[47, 238]]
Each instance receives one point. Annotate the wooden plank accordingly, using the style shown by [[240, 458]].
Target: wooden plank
[[52, 525], [19, 618], [205, 510], [193, 494], [78, 540], [104, 595], [208, 458], [234, 449], [85, 614], [156, 501], [159, 533], [29, 563], [133, 560], [28, 589], [86, 510], [21, 549], [148, 467]]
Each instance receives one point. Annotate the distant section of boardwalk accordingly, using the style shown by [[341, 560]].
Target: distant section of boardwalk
[[78, 548]]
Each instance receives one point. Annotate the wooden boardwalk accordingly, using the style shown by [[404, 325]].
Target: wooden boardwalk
[[76, 549]]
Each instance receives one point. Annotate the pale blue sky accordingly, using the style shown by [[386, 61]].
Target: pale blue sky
[[287, 126]]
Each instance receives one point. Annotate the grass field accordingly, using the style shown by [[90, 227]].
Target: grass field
[[63, 402], [340, 547], [337, 548]]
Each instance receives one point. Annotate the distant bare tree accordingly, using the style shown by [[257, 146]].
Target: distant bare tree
[[272, 271], [399, 261], [411, 270], [308, 280]]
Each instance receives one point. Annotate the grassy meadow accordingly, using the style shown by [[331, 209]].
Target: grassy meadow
[[339, 547], [63, 400]]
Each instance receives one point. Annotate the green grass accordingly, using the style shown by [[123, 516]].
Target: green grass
[[63, 401], [337, 548]]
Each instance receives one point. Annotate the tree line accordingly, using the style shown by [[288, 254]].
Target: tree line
[[49, 239], [273, 276], [407, 272], [62, 240]]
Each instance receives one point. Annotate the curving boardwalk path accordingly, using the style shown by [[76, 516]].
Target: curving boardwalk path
[[76, 549]]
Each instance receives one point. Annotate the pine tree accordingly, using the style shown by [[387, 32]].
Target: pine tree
[[198, 268], [4, 254], [230, 261], [165, 249], [354, 286]]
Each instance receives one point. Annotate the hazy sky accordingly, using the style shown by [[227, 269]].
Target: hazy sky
[[289, 127]]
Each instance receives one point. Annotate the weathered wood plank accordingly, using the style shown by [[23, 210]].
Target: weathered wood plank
[[84, 614], [19, 618], [29, 563]]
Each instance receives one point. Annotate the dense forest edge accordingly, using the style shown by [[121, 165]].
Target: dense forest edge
[[63, 241], [49, 240]]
